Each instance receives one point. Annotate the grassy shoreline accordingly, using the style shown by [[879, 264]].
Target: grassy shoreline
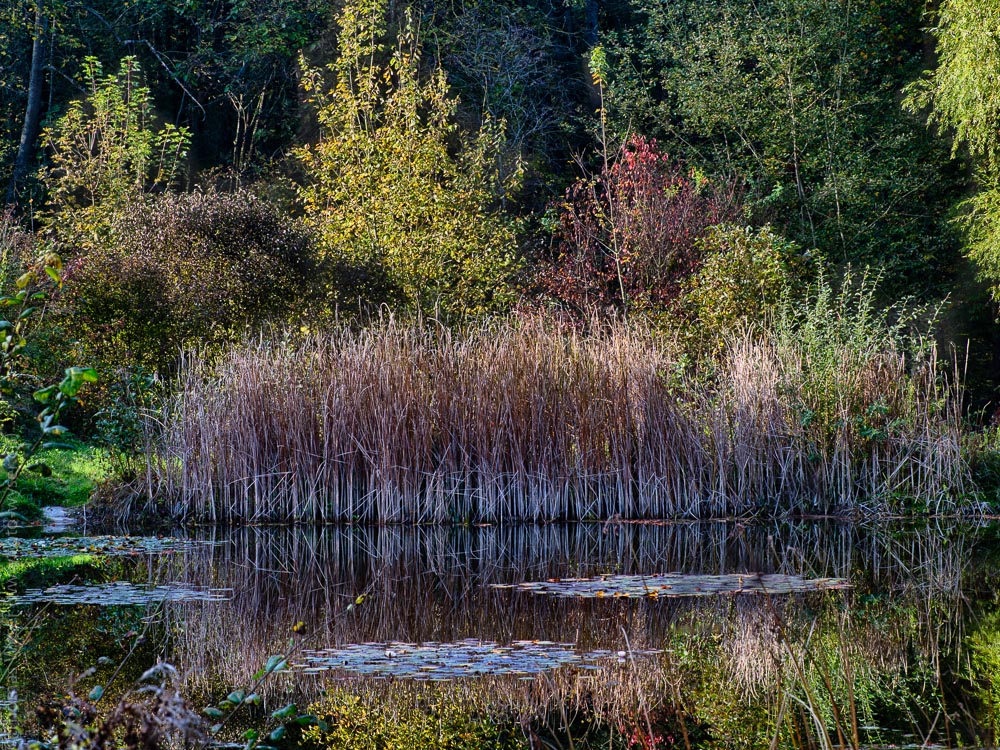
[[75, 472]]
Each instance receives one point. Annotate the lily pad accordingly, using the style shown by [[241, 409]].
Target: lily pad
[[17, 548], [121, 593], [449, 661], [675, 585]]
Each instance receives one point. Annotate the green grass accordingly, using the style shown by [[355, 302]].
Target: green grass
[[75, 473]]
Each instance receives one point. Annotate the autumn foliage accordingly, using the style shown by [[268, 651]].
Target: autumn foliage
[[628, 237]]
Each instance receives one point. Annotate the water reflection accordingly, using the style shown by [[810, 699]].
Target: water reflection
[[908, 647], [436, 584]]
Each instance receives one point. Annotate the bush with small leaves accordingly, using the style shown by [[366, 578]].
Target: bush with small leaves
[[744, 273], [396, 720], [197, 268]]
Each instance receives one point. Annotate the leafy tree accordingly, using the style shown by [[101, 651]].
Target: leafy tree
[[106, 147], [228, 70], [21, 54], [962, 93], [393, 184], [106, 151], [961, 96], [799, 97]]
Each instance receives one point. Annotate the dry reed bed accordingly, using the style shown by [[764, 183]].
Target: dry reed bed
[[527, 422]]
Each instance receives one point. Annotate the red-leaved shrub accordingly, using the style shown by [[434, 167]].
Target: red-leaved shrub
[[627, 237]]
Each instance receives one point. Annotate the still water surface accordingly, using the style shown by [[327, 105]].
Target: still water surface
[[909, 653]]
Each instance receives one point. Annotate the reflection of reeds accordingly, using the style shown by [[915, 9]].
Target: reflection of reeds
[[809, 669], [526, 422], [432, 584]]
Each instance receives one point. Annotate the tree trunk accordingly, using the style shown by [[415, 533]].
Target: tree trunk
[[33, 113]]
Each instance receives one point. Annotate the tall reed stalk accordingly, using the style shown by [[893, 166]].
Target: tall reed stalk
[[527, 421]]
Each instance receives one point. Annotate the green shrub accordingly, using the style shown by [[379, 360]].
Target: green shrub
[[182, 269], [105, 150], [744, 274], [862, 376]]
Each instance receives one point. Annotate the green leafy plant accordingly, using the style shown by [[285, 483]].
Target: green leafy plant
[[394, 186], [960, 97], [106, 145], [23, 308]]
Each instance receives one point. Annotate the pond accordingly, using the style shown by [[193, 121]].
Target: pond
[[728, 633]]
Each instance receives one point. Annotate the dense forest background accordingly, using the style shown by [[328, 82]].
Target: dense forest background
[[192, 169]]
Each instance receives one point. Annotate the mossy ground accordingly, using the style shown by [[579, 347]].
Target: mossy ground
[[76, 471]]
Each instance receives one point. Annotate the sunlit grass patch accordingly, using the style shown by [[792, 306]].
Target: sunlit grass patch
[[75, 472]]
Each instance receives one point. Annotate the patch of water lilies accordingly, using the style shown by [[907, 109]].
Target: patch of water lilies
[[675, 585], [15, 547], [449, 661], [121, 593]]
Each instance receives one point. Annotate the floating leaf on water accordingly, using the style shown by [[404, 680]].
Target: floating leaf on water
[[121, 593], [675, 585], [449, 661], [15, 547]]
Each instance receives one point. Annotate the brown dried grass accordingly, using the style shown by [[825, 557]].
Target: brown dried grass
[[528, 421]]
